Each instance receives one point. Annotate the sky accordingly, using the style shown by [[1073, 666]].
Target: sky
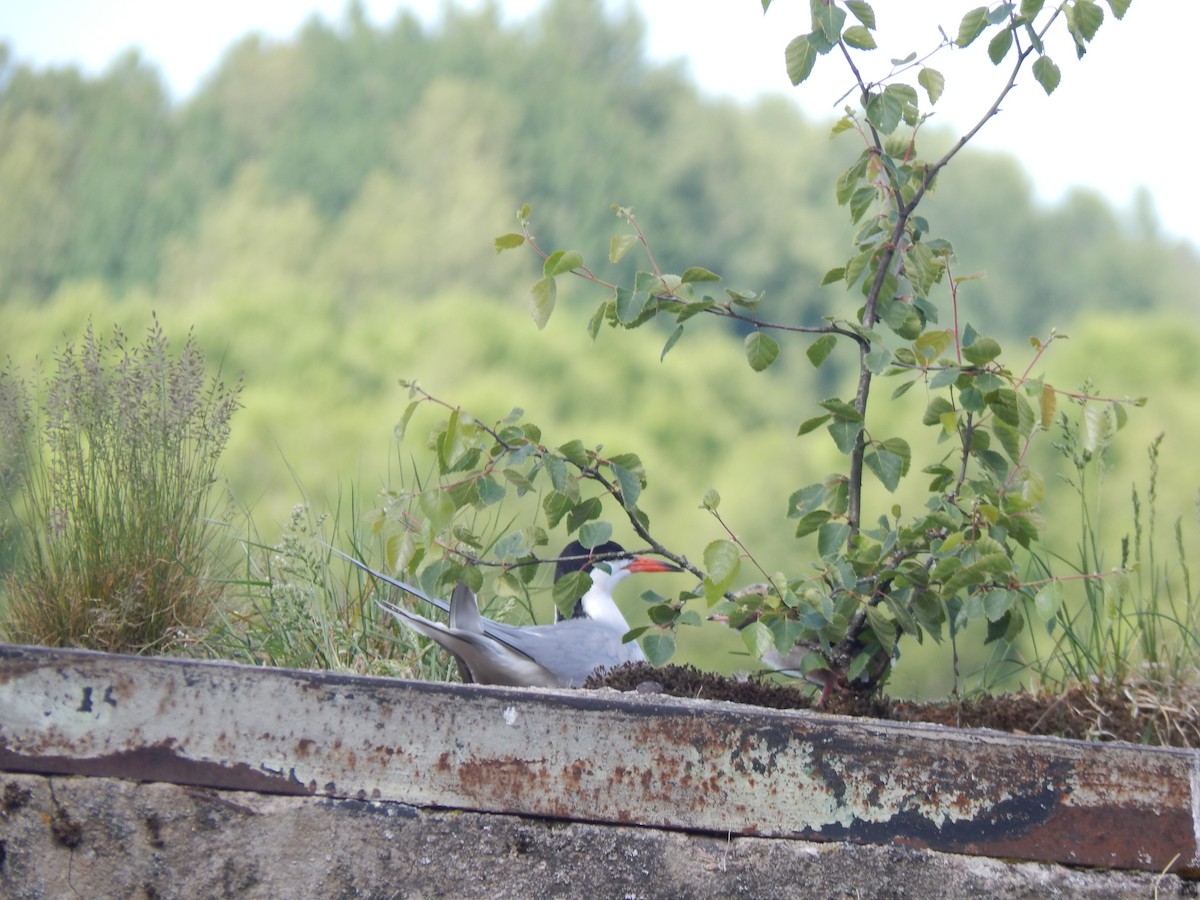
[[1116, 123]]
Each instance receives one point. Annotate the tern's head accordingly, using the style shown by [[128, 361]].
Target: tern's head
[[608, 564]]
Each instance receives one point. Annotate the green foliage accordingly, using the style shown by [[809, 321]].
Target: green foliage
[[81, 174], [879, 577], [113, 502], [293, 609]]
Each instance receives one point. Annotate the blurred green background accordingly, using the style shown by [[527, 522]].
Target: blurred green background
[[322, 211]]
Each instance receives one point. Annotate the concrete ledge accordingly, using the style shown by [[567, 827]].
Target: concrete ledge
[[598, 757], [101, 837]]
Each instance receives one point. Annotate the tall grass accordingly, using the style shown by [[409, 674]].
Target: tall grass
[[1131, 628], [298, 606], [110, 493]]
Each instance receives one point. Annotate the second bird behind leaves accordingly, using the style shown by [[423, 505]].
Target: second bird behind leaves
[[560, 655]]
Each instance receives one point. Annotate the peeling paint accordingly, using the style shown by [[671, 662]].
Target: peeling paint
[[598, 756]]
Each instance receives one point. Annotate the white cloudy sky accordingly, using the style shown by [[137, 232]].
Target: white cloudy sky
[[1119, 119]]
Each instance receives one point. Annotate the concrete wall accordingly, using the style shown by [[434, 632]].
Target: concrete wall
[[124, 776], [102, 837]]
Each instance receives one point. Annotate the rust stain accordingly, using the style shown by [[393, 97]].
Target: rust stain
[[598, 757], [155, 763]]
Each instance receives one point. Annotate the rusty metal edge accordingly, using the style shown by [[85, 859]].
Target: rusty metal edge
[[1041, 816]]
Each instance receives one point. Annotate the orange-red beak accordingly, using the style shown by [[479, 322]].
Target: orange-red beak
[[650, 564]]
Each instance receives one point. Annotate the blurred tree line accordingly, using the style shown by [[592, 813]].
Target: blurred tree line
[[379, 160]]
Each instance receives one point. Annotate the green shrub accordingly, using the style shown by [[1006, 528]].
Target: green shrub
[[109, 486]]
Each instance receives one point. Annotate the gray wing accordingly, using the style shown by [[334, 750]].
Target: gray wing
[[404, 586], [464, 610], [487, 659], [572, 649]]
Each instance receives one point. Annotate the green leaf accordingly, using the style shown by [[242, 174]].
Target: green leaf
[[399, 551], [619, 245], [741, 298], [937, 408], [542, 296], [630, 304], [996, 604], [818, 351], [711, 499], [884, 111], [845, 123], [631, 487], [878, 359], [999, 46], [945, 377], [971, 26], [889, 461], [508, 242], [831, 538], [846, 424], [862, 11], [860, 202], [722, 560], [883, 626], [490, 491], [932, 344], [583, 512], [659, 648], [1030, 8], [556, 505], [511, 547], [859, 37], [556, 468], [810, 522], [519, 481], [800, 57], [1048, 600], [758, 639], [437, 508], [982, 351], [806, 499], [835, 274], [696, 274], [1088, 18], [575, 452], [856, 265], [812, 424], [828, 18], [671, 342], [848, 181], [1010, 440], [602, 312], [1048, 404], [906, 96], [593, 534], [568, 590], [402, 425], [1046, 73], [933, 82], [761, 350], [561, 261], [1119, 7]]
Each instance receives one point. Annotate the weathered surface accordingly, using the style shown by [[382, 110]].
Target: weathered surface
[[598, 757], [100, 837]]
